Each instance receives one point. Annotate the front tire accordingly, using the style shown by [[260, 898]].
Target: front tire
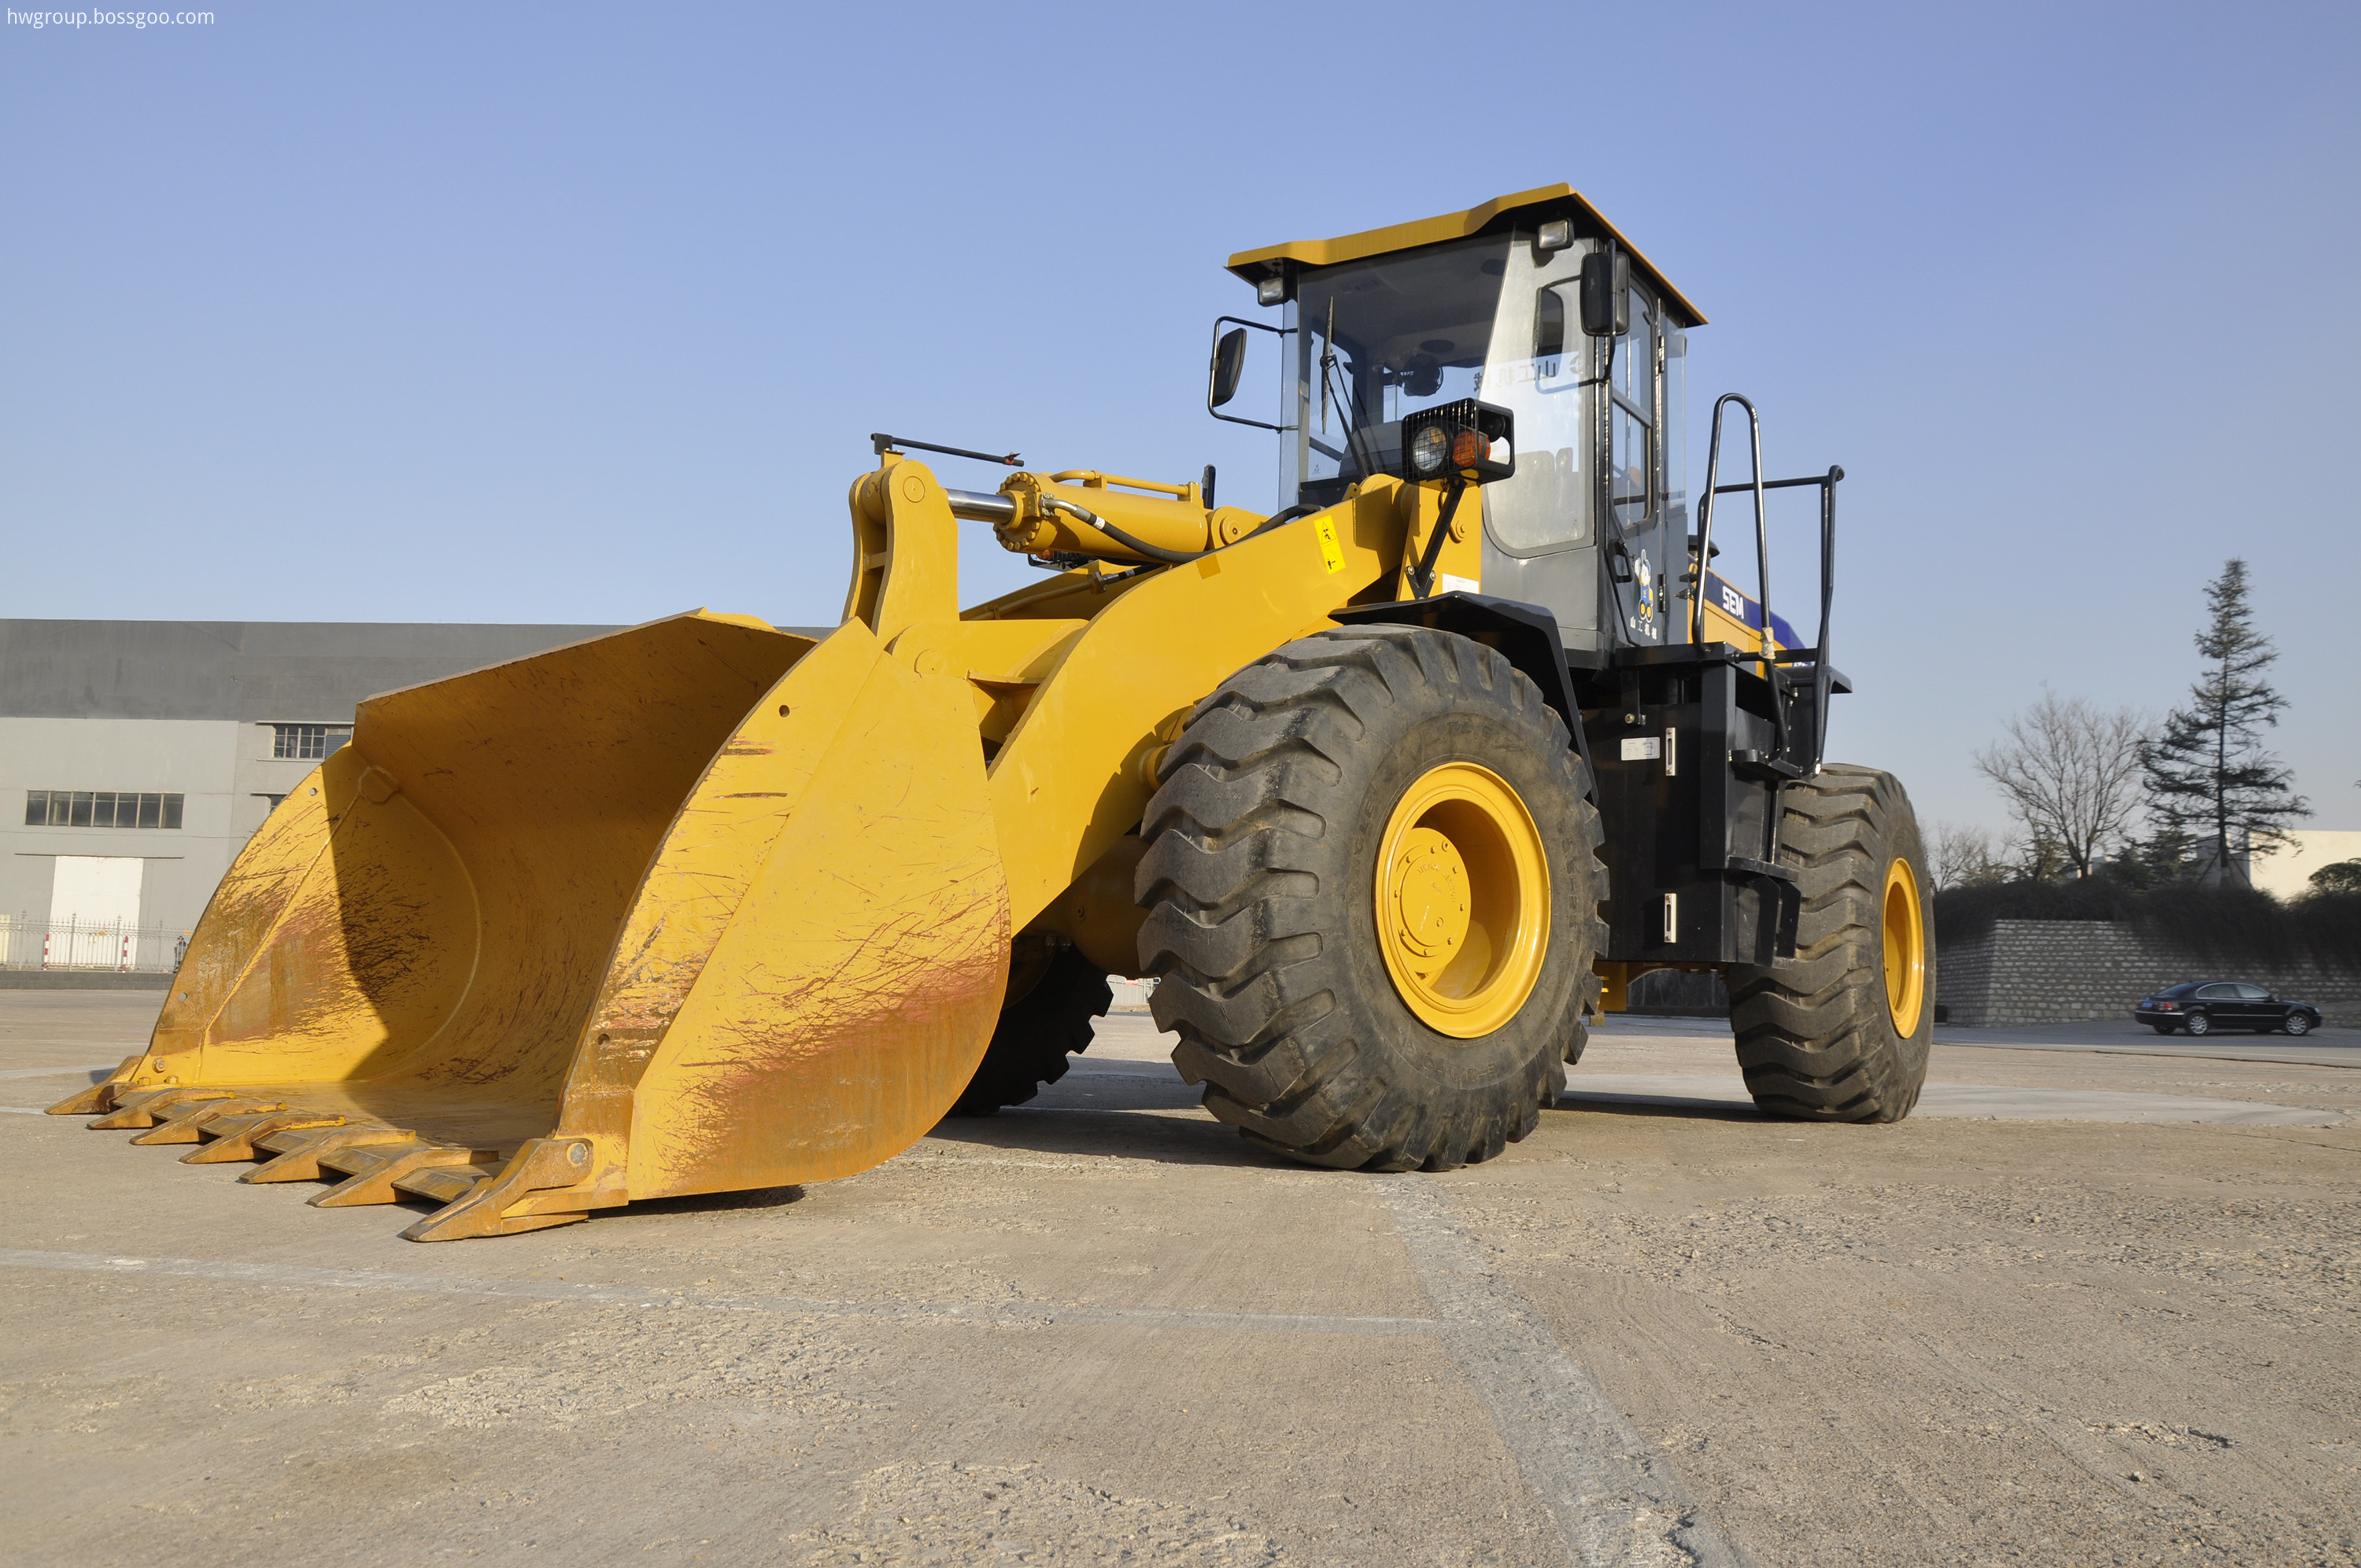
[[2296, 1024], [1039, 1031], [1841, 1033], [1373, 885]]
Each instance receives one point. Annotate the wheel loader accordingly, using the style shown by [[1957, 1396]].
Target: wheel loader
[[1392, 790]]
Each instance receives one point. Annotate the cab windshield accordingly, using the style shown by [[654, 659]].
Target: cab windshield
[[1383, 338], [1480, 318]]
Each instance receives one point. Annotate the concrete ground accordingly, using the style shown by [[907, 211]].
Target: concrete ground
[[1102, 1330]]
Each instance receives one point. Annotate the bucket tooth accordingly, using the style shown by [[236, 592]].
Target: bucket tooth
[[233, 1137], [186, 1127], [513, 1225], [375, 1170], [443, 1183], [99, 1098], [544, 1165], [146, 1107], [299, 1152]]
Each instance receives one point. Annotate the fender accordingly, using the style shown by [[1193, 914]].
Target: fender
[[1525, 634]]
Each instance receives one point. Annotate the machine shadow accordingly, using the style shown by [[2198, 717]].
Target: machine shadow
[[1109, 1131], [1668, 1105], [760, 1198], [705, 1203]]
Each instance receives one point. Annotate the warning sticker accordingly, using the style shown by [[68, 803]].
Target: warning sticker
[[1331, 553]]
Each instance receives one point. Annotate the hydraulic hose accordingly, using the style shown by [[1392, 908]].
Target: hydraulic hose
[[1138, 546], [1302, 509], [1170, 557]]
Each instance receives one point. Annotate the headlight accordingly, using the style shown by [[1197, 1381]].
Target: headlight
[[1428, 449], [1474, 441]]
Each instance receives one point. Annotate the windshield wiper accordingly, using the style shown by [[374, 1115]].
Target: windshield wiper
[[1352, 414]]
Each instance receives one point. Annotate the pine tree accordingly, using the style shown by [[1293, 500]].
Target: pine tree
[[2208, 775]]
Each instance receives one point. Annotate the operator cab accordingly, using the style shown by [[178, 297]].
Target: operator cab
[[1490, 305]]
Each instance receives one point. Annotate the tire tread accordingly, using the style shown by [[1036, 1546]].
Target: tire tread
[[1814, 1040], [1238, 844]]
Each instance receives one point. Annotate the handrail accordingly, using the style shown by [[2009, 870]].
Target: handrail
[[1823, 672], [1778, 484], [1761, 522], [1827, 484]]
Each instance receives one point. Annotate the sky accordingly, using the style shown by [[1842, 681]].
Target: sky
[[584, 314]]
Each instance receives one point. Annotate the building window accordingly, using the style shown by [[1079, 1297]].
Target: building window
[[270, 801], [100, 808], [307, 742]]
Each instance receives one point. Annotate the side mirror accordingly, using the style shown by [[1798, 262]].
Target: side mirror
[[1229, 364], [1606, 294]]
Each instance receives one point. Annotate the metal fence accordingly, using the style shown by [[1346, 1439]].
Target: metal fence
[[28, 942]]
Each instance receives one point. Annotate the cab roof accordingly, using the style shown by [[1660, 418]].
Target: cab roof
[[1523, 210]]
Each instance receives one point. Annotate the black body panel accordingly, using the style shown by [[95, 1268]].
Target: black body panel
[[1691, 753]]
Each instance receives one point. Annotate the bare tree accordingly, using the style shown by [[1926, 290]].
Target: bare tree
[[2072, 775], [1961, 856]]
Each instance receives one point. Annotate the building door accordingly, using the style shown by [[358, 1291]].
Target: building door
[[93, 907]]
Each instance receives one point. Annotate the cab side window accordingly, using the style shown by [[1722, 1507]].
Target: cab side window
[[1632, 434]]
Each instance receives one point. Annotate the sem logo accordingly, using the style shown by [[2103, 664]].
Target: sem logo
[[1731, 602]]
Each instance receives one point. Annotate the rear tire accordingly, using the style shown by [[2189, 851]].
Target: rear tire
[[1831, 1037], [1037, 1034], [1286, 790], [2199, 1025], [2161, 1028]]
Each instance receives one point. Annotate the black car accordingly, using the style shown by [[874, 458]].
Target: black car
[[2201, 1007]]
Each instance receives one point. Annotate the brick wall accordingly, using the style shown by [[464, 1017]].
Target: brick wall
[[2060, 971]]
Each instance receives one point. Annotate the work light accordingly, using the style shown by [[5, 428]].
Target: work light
[[1475, 441], [1428, 451]]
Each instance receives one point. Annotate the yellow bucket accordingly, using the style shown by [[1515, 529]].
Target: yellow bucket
[[697, 906]]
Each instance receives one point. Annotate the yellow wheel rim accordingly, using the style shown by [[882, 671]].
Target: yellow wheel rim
[[1906, 948], [1463, 900]]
